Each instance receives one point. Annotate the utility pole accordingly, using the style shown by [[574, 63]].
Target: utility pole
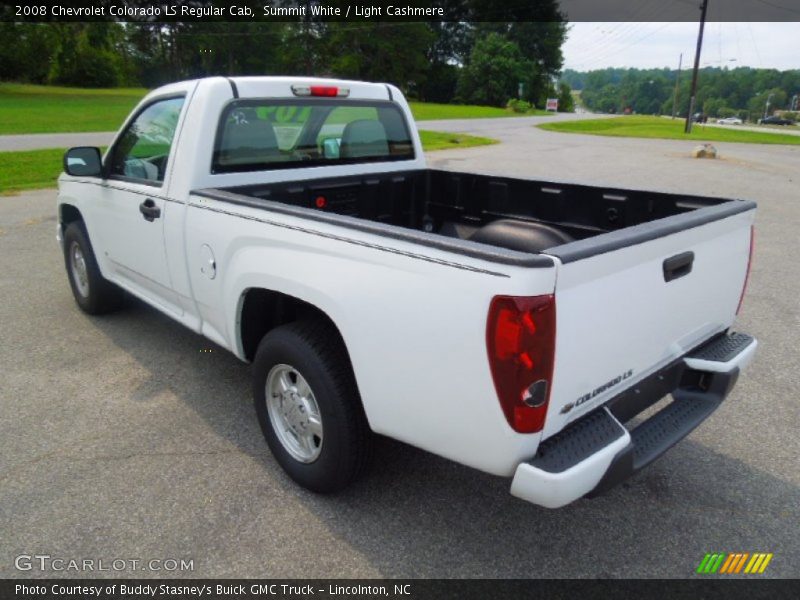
[[693, 93], [677, 87], [766, 106]]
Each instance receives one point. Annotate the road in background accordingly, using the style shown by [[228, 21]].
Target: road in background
[[787, 129], [129, 436], [40, 141]]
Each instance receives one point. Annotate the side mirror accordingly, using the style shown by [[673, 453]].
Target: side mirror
[[83, 161], [330, 147]]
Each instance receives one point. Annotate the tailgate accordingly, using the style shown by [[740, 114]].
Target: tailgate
[[631, 301]]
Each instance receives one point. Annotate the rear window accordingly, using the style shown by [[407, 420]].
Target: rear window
[[255, 135]]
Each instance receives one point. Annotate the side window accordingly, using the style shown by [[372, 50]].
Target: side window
[[143, 149]]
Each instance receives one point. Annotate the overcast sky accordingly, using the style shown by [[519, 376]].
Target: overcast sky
[[654, 45]]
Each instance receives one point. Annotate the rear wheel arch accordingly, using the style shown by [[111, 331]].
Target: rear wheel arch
[[261, 310]]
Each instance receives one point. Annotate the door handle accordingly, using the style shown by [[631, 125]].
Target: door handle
[[149, 210], [677, 266]]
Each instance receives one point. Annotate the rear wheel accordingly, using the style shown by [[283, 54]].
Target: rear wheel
[[308, 406], [93, 293]]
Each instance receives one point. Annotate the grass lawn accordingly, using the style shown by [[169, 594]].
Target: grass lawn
[[436, 140], [33, 169], [657, 127], [48, 109], [425, 111], [29, 170], [45, 109]]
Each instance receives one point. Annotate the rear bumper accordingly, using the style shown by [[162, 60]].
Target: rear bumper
[[596, 452]]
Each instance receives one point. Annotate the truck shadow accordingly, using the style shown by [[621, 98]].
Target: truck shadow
[[417, 515]]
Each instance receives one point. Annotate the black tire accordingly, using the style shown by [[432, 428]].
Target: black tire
[[314, 349], [100, 296]]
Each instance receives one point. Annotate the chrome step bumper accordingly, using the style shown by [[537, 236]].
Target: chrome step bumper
[[597, 451]]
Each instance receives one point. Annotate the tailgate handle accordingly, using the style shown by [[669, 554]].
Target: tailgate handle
[[677, 266]]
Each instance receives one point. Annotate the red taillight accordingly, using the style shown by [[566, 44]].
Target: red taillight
[[325, 91], [321, 202], [749, 265], [520, 338]]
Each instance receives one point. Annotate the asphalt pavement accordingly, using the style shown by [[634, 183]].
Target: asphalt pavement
[[128, 436], [39, 141]]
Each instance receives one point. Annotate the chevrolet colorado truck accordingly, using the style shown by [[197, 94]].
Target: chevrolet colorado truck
[[515, 326]]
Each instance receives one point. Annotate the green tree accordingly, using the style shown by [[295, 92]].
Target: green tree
[[85, 55], [713, 106], [537, 28], [450, 47], [776, 97], [566, 103], [575, 79], [539, 42], [25, 51], [495, 69], [379, 51], [652, 90]]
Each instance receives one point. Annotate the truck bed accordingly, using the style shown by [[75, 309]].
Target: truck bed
[[447, 209]]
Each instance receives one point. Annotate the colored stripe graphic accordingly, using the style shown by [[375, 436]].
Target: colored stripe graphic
[[732, 559], [754, 563], [741, 562], [703, 563], [765, 563], [711, 562], [759, 562], [733, 562]]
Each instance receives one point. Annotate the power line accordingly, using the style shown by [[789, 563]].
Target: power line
[[643, 13], [755, 46], [602, 56], [608, 55], [621, 29], [738, 46], [778, 6]]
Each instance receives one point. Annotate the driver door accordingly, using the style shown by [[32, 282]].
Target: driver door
[[132, 203]]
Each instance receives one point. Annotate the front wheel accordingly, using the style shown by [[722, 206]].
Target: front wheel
[[308, 406], [93, 292]]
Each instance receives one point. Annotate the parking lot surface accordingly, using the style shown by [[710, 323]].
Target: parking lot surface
[[128, 436]]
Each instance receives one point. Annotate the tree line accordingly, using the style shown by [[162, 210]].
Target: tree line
[[721, 92], [467, 61]]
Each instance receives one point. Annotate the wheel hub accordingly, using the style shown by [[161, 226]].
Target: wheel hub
[[294, 413], [80, 275]]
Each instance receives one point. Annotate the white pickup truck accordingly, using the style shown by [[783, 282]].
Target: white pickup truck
[[515, 326]]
